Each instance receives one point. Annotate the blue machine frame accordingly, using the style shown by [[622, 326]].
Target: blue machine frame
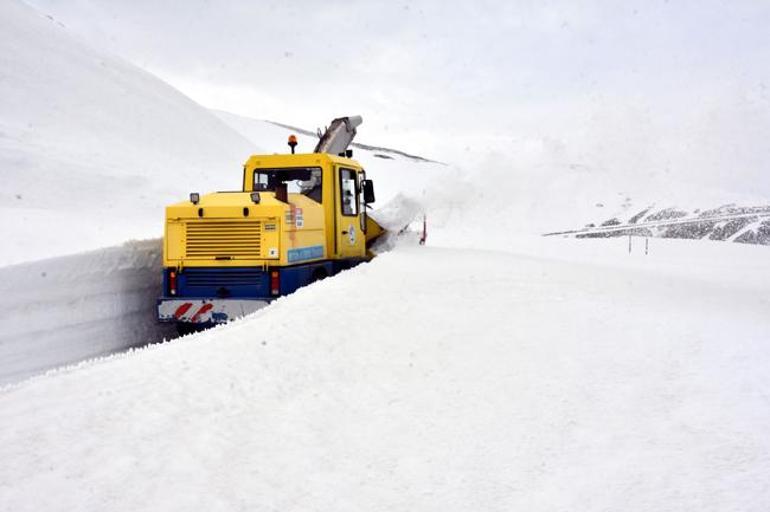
[[245, 283]]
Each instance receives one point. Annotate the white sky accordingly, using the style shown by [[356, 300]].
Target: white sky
[[644, 88]]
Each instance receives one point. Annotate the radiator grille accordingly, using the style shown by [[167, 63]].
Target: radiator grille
[[222, 277], [223, 239]]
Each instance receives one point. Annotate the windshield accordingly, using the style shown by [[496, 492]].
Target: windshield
[[299, 180]]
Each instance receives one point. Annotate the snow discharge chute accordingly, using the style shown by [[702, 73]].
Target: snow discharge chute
[[338, 136]]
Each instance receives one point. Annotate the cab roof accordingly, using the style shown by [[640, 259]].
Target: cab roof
[[298, 160]]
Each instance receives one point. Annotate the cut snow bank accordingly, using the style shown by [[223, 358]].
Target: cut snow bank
[[64, 310], [461, 380], [91, 147]]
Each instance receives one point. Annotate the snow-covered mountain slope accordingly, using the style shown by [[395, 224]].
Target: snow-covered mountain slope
[[455, 380], [495, 201], [91, 147], [730, 222]]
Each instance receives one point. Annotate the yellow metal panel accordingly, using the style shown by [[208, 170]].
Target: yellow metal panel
[[173, 248], [373, 229], [303, 230], [224, 229]]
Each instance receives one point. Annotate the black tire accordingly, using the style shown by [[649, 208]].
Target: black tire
[[184, 328], [319, 274]]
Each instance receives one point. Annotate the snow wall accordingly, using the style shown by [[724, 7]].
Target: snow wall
[[64, 310]]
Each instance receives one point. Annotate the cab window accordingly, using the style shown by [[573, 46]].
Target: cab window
[[299, 180], [348, 192]]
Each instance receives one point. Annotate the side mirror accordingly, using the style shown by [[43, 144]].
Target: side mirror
[[368, 188]]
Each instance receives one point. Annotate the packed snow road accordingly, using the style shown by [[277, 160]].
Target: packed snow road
[[428, 379]]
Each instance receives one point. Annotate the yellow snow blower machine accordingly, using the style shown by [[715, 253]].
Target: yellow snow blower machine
[[299, 218]]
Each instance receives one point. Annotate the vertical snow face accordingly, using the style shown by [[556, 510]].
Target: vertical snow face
[[91, 147], [65, 310]]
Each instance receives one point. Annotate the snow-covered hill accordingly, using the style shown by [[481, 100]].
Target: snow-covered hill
[[454, 380], [91, 147], [731, 222]]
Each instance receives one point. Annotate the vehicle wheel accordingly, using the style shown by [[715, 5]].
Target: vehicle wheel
[[184, 328], [318, 275]]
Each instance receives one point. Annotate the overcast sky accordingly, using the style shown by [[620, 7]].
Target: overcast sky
[[645, 87]]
